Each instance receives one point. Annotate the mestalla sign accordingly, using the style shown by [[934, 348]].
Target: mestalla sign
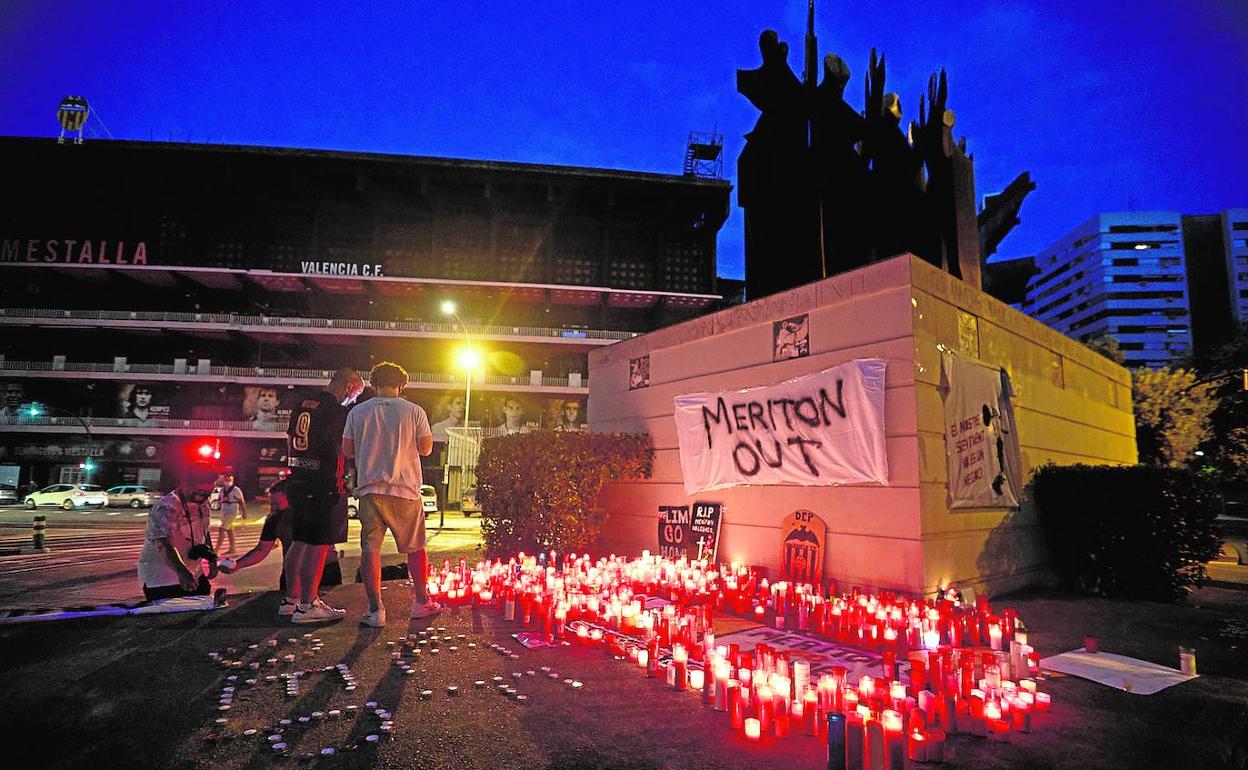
[[73, 251]]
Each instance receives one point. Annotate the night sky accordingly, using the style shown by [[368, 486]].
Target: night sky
[[1110, 105]]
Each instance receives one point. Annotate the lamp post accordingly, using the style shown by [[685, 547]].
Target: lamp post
[[468, 358], [37, 410]]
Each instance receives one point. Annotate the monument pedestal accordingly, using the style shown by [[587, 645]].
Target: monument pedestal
[[1071, 406]]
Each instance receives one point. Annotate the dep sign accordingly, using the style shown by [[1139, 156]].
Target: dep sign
[[822, 429]]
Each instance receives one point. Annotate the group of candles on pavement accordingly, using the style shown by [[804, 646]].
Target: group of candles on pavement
[[969, 670]]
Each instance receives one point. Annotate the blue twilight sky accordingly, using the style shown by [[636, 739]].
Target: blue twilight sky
[[1110, 105]]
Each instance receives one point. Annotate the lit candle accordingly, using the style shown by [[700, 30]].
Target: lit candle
[[916, 746], [765, 708], [894, 743], [736, 713], [697, 679], [721, 686], [753, 729], [994, 636], [854, 740], [810, 713], [876, 757], [680, 668], [801, 676], [643, 659], [1043, 701]]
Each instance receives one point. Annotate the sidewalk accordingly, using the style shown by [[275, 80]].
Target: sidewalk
[[110, 692]]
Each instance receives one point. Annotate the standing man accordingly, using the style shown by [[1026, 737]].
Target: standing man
[[386, 437], [233, 506], [316, 491], [176, 542]]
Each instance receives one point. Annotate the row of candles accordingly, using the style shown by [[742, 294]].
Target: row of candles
[[969, 670]]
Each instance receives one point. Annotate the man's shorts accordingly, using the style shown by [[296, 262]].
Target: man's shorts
[[318, 518], [278, 525], [228, 520], [404, 518]]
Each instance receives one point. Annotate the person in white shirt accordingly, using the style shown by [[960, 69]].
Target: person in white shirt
[[386, 436], [233, 506], [176, 541]]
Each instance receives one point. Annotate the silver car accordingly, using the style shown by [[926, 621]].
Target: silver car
[[8, 494], [132, 495]]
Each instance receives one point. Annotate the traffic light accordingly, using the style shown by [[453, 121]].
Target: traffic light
[[33, 410], [87, 465], [208, 449]]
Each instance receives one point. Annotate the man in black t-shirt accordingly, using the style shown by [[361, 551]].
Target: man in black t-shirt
[[316, 490]]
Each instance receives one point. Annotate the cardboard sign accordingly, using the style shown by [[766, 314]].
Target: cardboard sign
[[981, 437], [693, 534], [675, 531], [706, 520], [801, 547]]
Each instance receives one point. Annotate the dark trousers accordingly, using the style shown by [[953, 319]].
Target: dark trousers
[[152, 593]]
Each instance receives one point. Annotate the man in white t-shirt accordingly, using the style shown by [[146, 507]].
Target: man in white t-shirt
[[387, 436], [176, 540]]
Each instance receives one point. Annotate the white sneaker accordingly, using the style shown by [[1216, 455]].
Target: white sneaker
[[319, 602], [425, 609], [287, 607], [375, 619], [314, 614]]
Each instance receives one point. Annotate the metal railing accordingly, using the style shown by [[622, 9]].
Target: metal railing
[[238, 320], [267, 372], [130, 422]]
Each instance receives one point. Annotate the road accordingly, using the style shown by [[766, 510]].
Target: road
[[92, 555]]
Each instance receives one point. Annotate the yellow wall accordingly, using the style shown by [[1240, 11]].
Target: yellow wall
[[1072, 406]]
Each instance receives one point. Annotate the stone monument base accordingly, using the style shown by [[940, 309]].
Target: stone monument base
[[1071, 406]]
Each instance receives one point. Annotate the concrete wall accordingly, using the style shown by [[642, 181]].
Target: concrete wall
[[1072, 406]]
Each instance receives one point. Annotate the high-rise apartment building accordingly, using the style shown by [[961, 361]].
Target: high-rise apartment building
[[1158, 282]]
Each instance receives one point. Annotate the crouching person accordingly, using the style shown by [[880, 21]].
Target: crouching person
[[171, 563]]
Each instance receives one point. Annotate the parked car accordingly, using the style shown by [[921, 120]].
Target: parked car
[[132, 495], [468, 502], [8, 494], [428, 501], [69, 496]]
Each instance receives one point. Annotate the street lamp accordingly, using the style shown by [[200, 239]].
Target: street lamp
[[34, 410], [468, 357]]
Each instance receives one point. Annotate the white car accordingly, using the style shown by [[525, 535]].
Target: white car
[[69, 496], [428, 501]]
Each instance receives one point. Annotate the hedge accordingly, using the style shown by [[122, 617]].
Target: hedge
[[1137, 532], [539, 491]]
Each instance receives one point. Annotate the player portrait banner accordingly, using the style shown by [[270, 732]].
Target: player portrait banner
[[817, 430], [981, 439]]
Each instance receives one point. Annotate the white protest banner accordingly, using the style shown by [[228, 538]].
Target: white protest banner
[[981, 440], [821, 429]]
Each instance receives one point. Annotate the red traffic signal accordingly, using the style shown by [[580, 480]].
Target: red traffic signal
[[209, 449]]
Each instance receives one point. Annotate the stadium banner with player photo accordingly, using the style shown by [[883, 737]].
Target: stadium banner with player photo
[[263, 406], [445, 410], [820, 429], [565, 414], [509, 413], [143, 402], [981, 436]]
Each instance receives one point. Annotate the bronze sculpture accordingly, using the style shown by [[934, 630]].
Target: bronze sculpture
[[826, 188]]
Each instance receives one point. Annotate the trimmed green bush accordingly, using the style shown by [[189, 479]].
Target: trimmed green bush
[[1136, 532], [539, 491]]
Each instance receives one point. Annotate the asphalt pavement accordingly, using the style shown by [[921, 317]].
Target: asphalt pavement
[[140, 691]]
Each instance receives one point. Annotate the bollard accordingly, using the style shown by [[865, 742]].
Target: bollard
[[37, 535]]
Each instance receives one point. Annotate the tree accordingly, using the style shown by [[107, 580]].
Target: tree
[[1226, 450], [1107, 346], [1172, 410]]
